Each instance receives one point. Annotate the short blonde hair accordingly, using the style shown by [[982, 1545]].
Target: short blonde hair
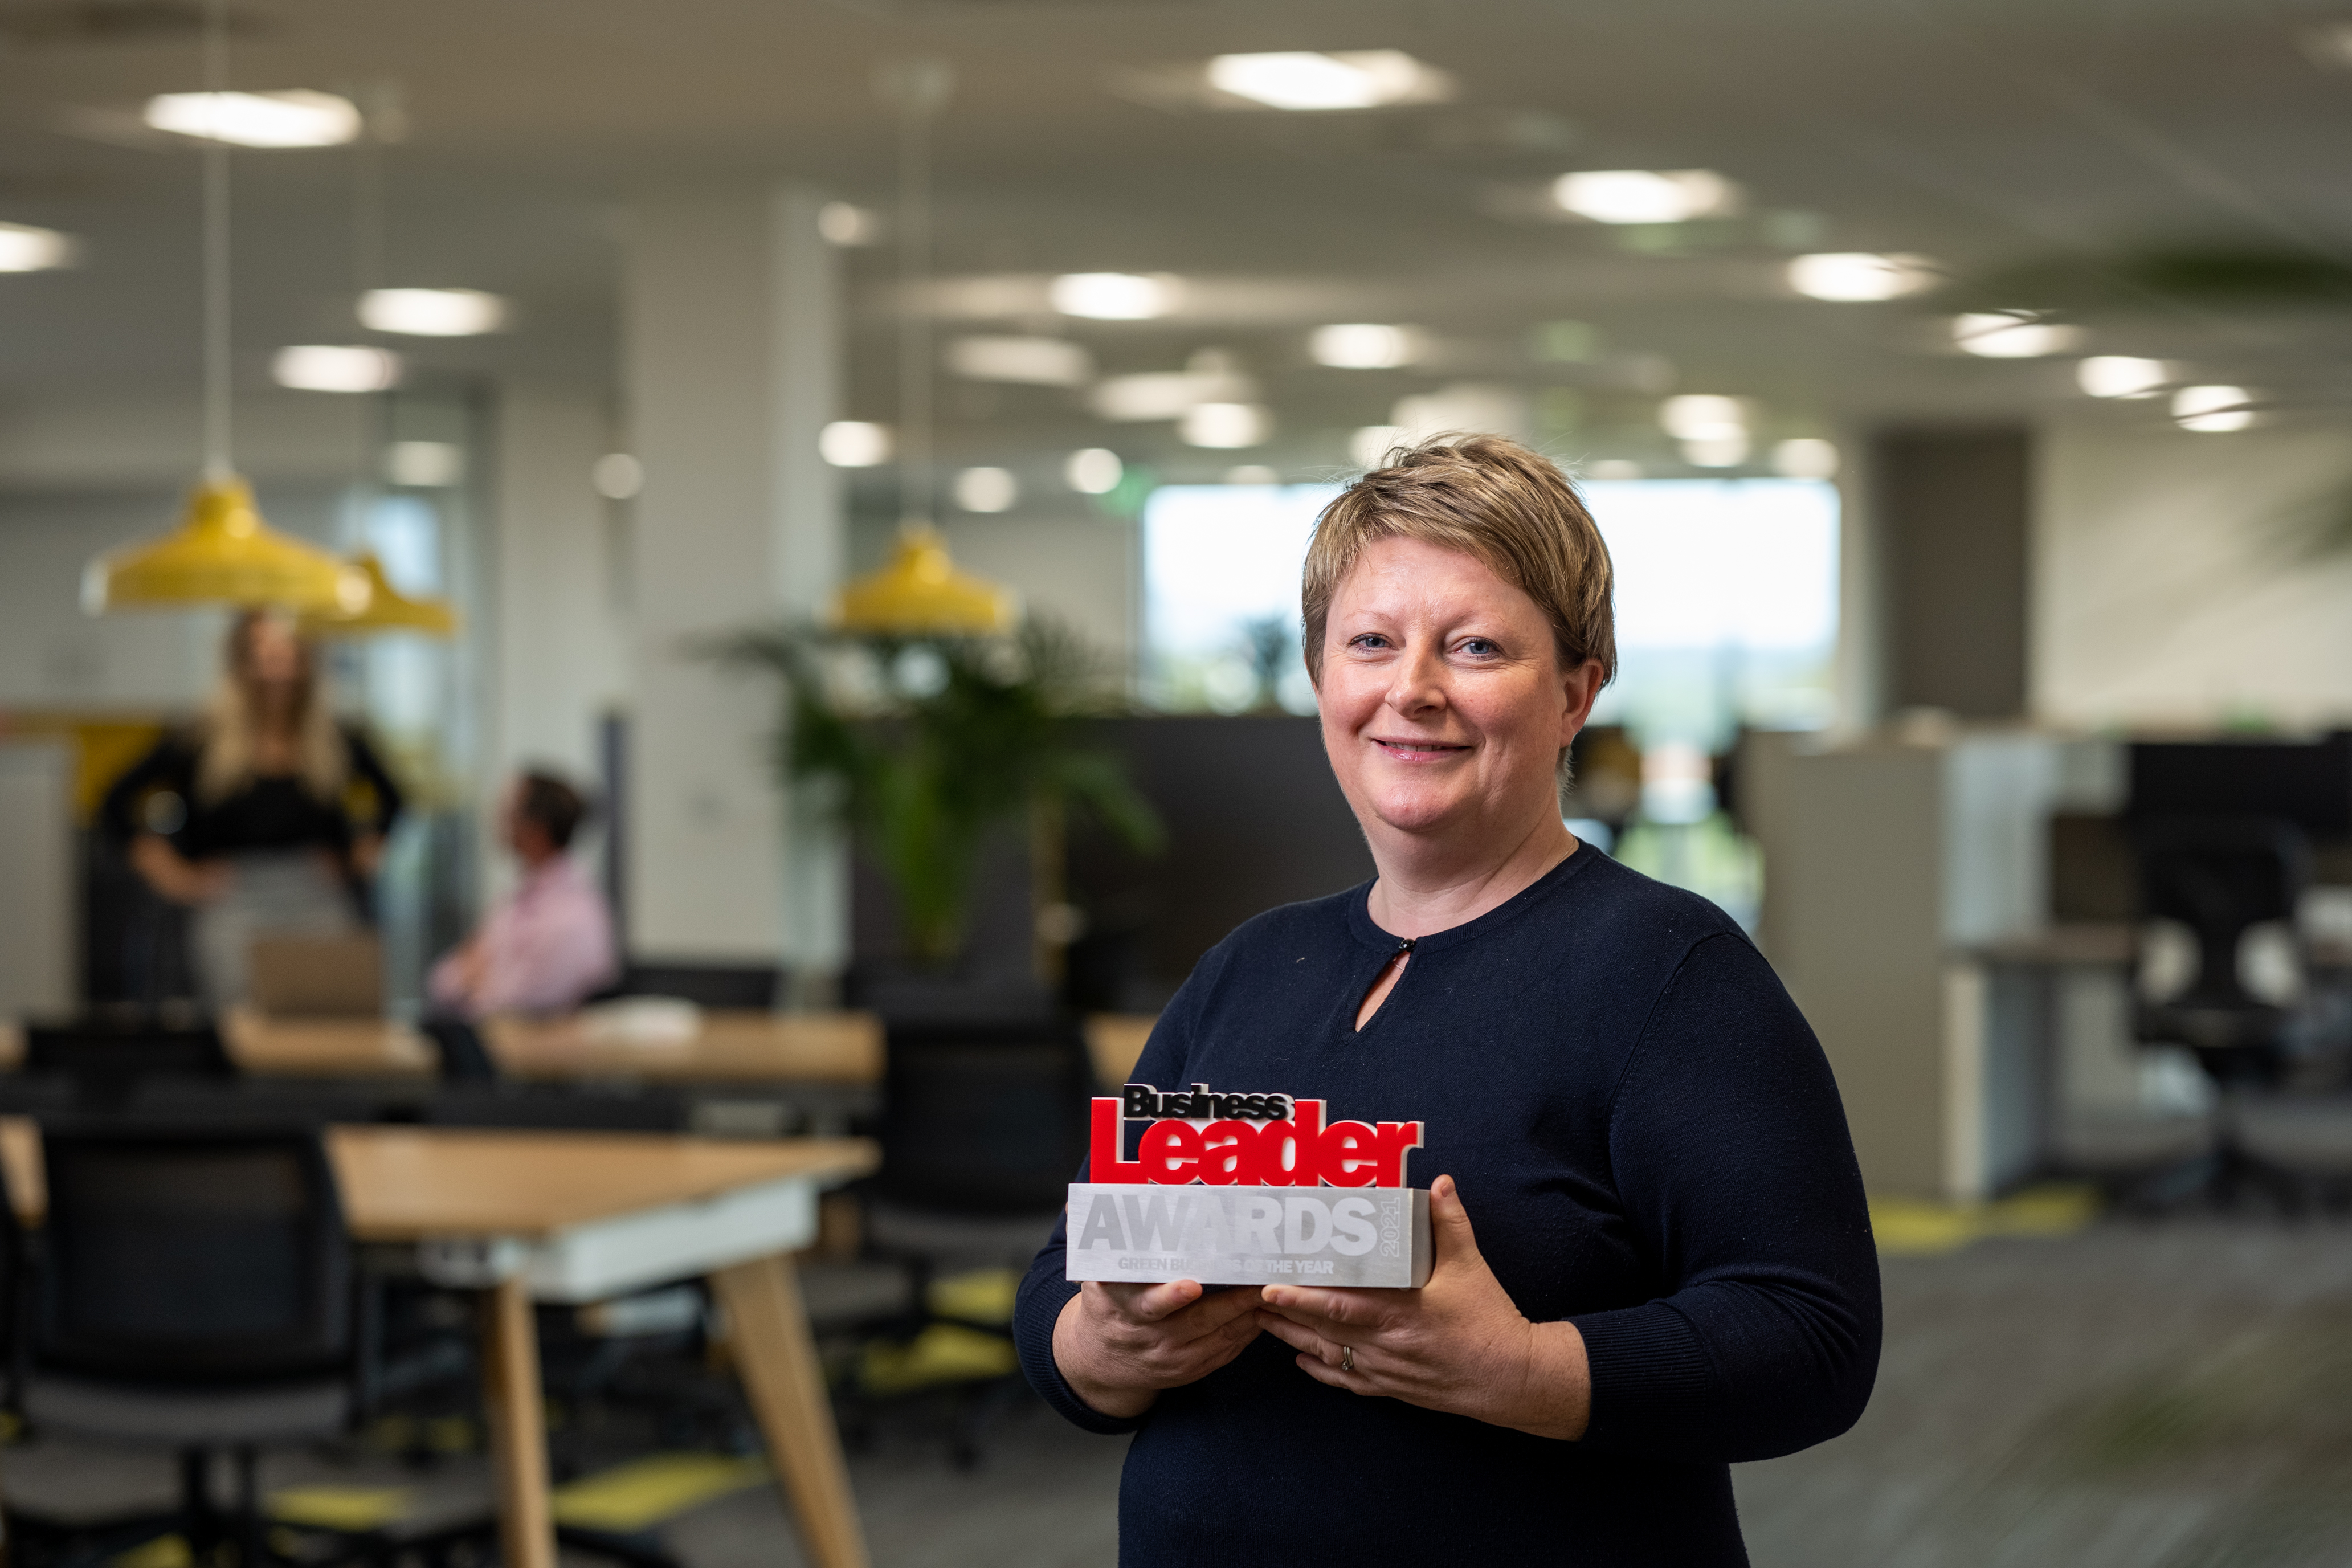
[[1491, 499]]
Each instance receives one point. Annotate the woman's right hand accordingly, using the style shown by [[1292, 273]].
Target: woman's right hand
[[1118, 1345], [182, 880]]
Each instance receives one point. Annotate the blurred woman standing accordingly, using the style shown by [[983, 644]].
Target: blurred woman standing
[[267, 816]]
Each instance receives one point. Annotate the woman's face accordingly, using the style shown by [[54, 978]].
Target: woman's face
[[273, 654], [1444, 704]]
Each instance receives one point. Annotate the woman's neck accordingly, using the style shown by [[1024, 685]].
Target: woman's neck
[[1426, 887]]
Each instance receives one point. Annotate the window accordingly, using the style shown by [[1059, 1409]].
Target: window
[[1726, 600]]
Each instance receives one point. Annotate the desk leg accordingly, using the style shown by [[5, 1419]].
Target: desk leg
[[779, 1366], [518, 1426]]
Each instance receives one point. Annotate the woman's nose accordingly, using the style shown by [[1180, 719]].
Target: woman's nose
[[1417, 686]]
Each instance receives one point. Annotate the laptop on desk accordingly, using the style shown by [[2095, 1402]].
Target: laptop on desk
[[318, 977]]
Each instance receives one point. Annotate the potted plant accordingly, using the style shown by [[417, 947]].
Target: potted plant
[[925, 743]]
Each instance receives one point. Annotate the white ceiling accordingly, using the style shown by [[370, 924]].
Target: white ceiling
[[2064, 141]]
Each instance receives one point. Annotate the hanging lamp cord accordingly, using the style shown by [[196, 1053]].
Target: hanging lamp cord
[[217, 463]]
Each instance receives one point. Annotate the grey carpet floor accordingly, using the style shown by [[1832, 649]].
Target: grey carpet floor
[[2165, 1395]]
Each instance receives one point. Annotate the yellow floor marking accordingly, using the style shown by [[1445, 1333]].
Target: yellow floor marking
[[1910, 1227], [645, 1493], [340, 1507]]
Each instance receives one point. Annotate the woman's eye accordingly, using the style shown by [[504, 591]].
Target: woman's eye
[[1479, 648], [1368, 639]]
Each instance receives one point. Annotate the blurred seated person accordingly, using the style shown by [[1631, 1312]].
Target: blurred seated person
[[267, 816], [548, 946]]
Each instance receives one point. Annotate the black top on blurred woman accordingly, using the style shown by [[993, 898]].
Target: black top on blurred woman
[[267, 816]]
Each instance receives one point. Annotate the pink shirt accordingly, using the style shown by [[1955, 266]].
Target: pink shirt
[[542, 950]]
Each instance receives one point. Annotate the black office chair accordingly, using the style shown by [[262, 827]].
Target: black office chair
[[753, 987], [106, 1059], [2220, 878], [195, 1292], [983, 1127]]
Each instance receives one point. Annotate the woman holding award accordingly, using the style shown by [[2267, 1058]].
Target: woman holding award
[[1653, 1257]]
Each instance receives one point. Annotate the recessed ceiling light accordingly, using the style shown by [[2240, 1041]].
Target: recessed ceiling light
[[24, 248], [1225, 424], [424, 465], [1369, 445], [1167, 393], [432, 312], [1252, 474], [1805, 458], [295, 119], [1034, 361], [1363, 345], [2120, 376], [1853, 275], [1716, 451], [617, 476], [986, 489], [1703, 417], [327, 367], [1615, 468], [1358, 79], [843, 224], [854, 444], [1114, 296], [2212, 408], [1644, 195], [1093, 471], [2009, 334]]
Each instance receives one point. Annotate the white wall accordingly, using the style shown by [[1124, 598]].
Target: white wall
[[2162, 590], [1082, 571]]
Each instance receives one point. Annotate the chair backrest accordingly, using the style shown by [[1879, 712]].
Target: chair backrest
[[2220, 877], [193, 1254], [979, 1119], [561, 1108], [464, 1058], [111, 1057], [744, 985]]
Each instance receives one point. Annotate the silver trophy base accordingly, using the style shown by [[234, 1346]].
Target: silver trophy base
[[1249, 1236]]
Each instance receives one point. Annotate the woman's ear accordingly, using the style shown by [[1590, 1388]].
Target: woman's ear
[[1579, 689]]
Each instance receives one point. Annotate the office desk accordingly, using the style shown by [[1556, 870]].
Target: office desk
[[299, 1047], [579, 1216], [731, 1048]]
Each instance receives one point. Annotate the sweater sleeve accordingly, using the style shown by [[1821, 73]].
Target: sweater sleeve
[[1733, 1162], [1045, 1292]]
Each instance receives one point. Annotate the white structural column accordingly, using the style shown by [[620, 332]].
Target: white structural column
[[730, 367]]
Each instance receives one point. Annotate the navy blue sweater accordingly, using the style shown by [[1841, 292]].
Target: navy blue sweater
[[1650, 1145]]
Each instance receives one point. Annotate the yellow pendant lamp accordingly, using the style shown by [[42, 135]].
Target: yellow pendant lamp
[[921, 594], [223, 554], [387, 609]]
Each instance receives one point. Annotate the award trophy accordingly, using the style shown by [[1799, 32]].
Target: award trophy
[[1246, 1189]]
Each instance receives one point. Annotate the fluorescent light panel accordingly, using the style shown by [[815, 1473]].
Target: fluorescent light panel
[[24, 248], [1644, 195], [432, 312], [2120, 376], [1363, 345], [1303, 80], [1033, 361], [1114, 296], [854, 444], [986, 489], [1093, 470], [2212, 409], [1858, 276], [329, 367], [1225, 424], [2004, 334], [294, 119]]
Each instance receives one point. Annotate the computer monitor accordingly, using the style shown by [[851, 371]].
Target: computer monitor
[[2307, 783]]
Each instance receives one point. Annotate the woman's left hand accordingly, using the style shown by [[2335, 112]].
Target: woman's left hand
[[1457, 1344]]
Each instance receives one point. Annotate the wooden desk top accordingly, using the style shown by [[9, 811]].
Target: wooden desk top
[[1114, 1040], [733, 1047], [299, 1047], [403, 1183]]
